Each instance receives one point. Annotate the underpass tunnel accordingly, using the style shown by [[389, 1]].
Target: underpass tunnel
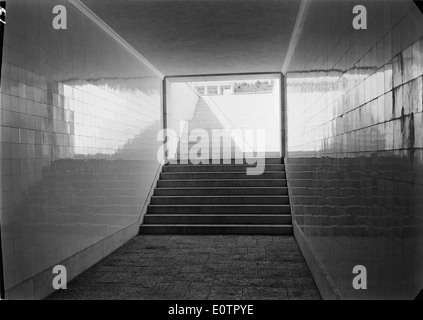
[[85, 99]]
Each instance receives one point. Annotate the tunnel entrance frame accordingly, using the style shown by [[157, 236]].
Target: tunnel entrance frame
[[167, 80]]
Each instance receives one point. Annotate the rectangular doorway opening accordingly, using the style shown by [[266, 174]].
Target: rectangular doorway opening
[[249, 104]]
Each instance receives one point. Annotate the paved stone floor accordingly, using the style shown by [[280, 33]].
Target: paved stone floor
[[198, 267]]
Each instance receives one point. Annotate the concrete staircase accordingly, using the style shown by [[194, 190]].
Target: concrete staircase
[[219, 198]]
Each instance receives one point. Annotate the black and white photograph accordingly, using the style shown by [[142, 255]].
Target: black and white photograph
[[213, 158]]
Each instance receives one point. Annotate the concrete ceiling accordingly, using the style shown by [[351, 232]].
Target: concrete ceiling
[[188, 37]]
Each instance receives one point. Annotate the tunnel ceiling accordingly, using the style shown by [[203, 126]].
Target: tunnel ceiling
[[204, 36]]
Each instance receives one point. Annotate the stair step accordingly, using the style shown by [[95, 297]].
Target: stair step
[[222, 191], [248, 160], [186, 146], [215, 195], [223, 183], [218, 219], [180, 200], [219, 209], [220, 175], [210, 155], [216, 229], [218, 168]]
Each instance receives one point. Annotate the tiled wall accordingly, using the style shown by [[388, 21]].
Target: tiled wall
[[79, 121], [355, 145]]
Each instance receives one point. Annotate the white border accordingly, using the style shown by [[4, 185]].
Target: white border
[[108, 30]]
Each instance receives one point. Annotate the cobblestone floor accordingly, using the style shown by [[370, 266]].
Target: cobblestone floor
[[198, 267]]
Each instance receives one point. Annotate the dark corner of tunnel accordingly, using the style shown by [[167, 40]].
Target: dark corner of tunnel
[[419, 4]]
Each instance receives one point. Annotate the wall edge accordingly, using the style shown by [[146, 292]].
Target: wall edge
[[81, 260], [150, 194], [325, 286], [75, 265], [114, 35]]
